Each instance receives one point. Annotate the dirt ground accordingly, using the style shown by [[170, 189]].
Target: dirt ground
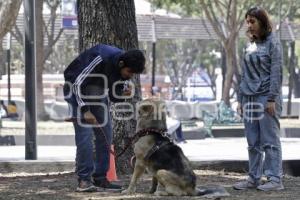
[[62, 186]]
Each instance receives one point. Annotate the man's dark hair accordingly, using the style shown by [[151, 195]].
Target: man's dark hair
[[262, 16], [134, 59]]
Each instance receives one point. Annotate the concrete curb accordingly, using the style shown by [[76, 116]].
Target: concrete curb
[[69, 140], [290, 167], [36, 166]]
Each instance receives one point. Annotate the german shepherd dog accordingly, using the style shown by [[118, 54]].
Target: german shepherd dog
[[171, 171]]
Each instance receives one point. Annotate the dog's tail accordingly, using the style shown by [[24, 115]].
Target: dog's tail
[[212, 191]]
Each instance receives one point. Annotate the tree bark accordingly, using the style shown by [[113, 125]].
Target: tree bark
[[228, 76], [112, 22], [2, 60], [291, 76], [297, 85], [41, 113]]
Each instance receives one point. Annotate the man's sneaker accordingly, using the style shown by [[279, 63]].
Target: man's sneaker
[[85, 186], [243, 185], [106, 185], [271, 186]]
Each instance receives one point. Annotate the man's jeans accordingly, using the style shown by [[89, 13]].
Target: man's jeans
[[262, 131], [93, 143]]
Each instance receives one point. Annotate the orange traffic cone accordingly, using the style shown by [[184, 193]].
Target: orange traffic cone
[[111, 174]]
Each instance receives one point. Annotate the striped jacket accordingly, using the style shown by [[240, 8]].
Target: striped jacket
[[95, 66]]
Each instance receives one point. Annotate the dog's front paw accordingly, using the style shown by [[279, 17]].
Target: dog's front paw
[[128, 191]]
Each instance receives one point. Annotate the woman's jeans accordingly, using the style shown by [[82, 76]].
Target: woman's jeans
[[263, 132]]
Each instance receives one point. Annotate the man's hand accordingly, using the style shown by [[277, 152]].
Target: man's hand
[[127, 91], [270, 108], [239, 109], [89, 118]]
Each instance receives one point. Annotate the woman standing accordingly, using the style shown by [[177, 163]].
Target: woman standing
[[260, 102]]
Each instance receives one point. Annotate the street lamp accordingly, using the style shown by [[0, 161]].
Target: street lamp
[[30, 80]]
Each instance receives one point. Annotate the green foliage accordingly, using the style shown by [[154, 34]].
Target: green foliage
[[290, 8], [282, 9]]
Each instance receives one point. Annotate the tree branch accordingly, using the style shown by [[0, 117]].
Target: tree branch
[[213, 20], [16, 33], [8, 14], [218, 6], [51, 44]]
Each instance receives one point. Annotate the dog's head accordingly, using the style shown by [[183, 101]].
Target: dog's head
[[151, 114]]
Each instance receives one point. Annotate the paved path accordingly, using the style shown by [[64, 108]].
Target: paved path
[[216, 149], [209, 149]]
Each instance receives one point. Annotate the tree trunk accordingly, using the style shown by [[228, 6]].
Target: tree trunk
[[2, 60], [112, 22], [230, 69], [291, 76], [297, 85], [41, 113], [223, 65]]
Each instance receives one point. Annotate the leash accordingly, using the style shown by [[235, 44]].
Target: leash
[[74, 119], [140, 133]]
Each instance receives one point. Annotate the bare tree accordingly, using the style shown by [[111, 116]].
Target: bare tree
[[9, 10], [46, 39], [227, 28], [112, 22], [179, 59], [41, 113], [180, 65], [45, 29], [227, 17]]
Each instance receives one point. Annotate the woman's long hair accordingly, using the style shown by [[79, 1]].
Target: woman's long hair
[[264, 21]]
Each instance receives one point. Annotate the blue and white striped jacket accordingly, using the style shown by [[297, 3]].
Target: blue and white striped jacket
[[91, 67]]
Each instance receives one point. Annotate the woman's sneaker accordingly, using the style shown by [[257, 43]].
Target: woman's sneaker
[[85, 186], [243, 185], [271, 186], [106, 185]]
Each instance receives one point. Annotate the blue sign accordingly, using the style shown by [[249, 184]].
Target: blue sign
[[69, 22], [69, 14]]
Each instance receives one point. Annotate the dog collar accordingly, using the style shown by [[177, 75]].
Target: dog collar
[[149, 131]]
